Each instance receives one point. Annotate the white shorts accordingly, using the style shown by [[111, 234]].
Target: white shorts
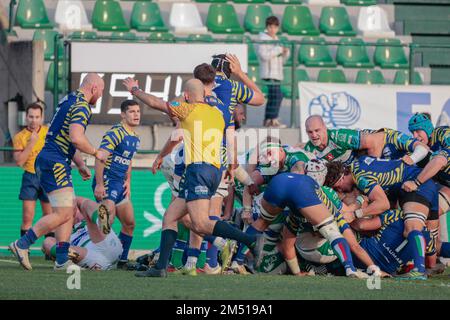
[[102, 255]]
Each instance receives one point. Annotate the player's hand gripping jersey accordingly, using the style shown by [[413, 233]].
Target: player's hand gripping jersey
[[341, 144]]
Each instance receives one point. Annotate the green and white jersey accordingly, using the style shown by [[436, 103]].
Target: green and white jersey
[[341, 144], [293, 156], [80, 235]]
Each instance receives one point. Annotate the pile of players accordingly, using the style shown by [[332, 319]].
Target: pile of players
[[349, 202]]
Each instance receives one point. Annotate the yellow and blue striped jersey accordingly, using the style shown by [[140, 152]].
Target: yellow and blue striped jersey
[[440, 145], [369, 172], [396, 143], [72, 109], [240, 93], [122, 143]]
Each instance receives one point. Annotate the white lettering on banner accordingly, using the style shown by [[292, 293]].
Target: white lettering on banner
[[156, 222], [370, 106], [117, 93], [164, 94]]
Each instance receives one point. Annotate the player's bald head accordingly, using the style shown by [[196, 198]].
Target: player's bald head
[[194, 90], [92, 86], [315, 120]]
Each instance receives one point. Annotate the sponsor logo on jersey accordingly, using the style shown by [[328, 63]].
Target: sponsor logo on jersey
[[119, 159], [201, 190]]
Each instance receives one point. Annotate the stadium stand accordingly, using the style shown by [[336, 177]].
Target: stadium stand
[[147, 17], [370, 77], [108, 16], [71, 15], [185, 18], [332, 75]]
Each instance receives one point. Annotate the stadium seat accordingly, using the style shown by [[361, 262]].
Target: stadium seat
[[222, 18], [185, 18], [49, 85], [286, 88], [32, 14], [370, 77], [48, 36], [108, 16], [352, 53], [334, 21], [359, 2], [71, 15], [373, 22], [402, 78], [86, 35], [252, 55], [254, 75], [315, 55], [297, 20], [200, 38], [125, 36], [332, 75], [388, 56], [161, 37], [146, 16], [255, 17], [286, 1]]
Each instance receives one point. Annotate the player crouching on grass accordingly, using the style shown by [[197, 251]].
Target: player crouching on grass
[[91, 246], [111, 185]]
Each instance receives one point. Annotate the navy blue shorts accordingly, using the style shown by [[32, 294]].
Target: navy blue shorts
[[31, 188], [199, 181], [53, 175], [292, 190], [427, 194], [114, 190]]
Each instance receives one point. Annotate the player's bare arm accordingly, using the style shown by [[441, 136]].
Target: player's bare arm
[[81, 142], [150, 100], [100, 191], [436, 164], [258, 98]]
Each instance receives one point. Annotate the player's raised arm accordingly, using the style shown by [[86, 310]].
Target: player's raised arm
[[258, 97], [152, 101]]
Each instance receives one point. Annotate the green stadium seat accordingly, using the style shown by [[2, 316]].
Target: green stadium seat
[[359, 2], [332, 75], [125, 36], [334, 21], [161, 37], [370, 77], [286, 1], [32, 14], [252, 55], [352, 53], [49, 85], [85, 35], [286, 88], [315, 55], [253, 74], [146, 16], [200, 38], [388, 56], [107, 16], [222, 18], [255, 17], [402, 78], [48, 36], [297, 20]]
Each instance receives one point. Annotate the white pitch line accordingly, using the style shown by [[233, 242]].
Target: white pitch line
[[16, 262]]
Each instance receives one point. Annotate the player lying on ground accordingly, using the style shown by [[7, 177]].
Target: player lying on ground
[[91, 246]]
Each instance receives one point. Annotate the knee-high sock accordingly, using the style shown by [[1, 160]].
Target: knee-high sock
[[224, 230], [27, 239], [62, 252], [168, 238], [416, 248], [445, 250], [126, 244], [211, 253], [342, 250]]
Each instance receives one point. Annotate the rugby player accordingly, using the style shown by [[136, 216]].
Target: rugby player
[[91, 246], [27, 145], [202, 175], [381, 180], [64, 143], [111, 185]]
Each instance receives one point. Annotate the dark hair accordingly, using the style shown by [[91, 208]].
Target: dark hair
[[126, 104], [427, 114], [205, 73], [221, 64], [335, 170], [34, 106], [272, 20]]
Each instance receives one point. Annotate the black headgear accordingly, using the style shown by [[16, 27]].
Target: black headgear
[[220, 63]]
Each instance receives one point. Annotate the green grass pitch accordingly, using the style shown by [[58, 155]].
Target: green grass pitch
[[43, 283]]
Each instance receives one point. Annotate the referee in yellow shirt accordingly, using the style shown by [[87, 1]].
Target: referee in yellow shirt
[[27, 144]]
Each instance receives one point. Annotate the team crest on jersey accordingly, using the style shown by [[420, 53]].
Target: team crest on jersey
[[201, 190], [330, 157], [174, 104]]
